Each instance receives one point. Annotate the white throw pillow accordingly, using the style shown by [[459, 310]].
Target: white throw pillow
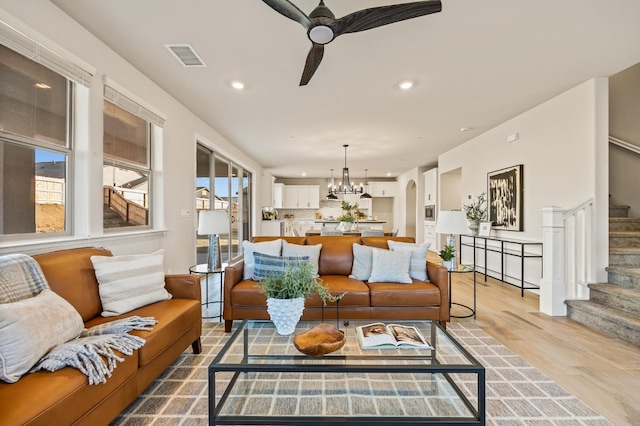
[[271, 248], [299, 250], [390, 267], [418, 268], [361, 269], [129, 282], [32, 327]]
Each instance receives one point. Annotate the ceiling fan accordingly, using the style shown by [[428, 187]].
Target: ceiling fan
[[323, 27]]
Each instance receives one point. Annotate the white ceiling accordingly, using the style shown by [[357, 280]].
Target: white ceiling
[[476, 64]]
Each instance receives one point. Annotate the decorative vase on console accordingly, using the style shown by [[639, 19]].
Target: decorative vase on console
[[476, 212]]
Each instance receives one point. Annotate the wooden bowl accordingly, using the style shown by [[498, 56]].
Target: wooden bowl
[[319, 340]]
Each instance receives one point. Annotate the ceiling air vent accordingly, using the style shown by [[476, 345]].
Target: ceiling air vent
[[186, 55]]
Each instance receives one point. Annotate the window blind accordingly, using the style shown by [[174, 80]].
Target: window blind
[[26, 46], [129, 105]]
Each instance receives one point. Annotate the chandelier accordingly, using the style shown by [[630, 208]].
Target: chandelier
[[345, 186]]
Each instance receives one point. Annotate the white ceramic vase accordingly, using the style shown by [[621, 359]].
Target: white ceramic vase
[[473, 226], [285, 313], [448, 264]]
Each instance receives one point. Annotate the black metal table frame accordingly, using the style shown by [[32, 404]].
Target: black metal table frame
[[451, 302], [475, 367], [213, 272], [522, 254]]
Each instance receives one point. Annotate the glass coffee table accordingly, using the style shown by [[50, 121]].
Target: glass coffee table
[[259, 377]]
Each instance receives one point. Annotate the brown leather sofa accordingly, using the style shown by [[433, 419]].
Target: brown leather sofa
[[377, 301], [64, 397]]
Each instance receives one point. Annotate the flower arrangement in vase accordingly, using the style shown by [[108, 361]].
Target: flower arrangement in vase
[[476, 212]]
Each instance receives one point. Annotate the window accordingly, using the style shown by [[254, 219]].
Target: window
[[127, 170], [35, 146]]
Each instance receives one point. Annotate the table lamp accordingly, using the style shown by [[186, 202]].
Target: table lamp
[[212, 223], [452, 223]]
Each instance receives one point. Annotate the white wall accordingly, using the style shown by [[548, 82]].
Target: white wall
[[43, 21], [564, 149]]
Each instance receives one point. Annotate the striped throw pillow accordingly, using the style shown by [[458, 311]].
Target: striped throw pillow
[[271, 265], [129, 282]]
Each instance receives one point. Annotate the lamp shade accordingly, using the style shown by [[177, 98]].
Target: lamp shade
[[452, 222], [213, 222]]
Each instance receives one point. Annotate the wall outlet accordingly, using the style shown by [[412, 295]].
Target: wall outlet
[[185, 213]]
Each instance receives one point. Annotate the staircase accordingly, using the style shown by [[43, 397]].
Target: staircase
[[112, 219], [614, 307]]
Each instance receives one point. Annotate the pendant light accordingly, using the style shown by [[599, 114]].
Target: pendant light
[[332, 188], [366, 184], [345, 187]]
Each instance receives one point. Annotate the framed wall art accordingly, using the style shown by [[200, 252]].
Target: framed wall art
[[505, 198]]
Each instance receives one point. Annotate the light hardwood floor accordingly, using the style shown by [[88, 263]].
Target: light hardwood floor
[[603, 371]]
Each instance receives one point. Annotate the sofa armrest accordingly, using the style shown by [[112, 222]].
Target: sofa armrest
[[439, 276], [232, 276], [184, 286]]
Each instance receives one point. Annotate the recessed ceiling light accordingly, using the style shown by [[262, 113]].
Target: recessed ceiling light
[[237, 85], [406, 85], [304, 173], [465, 129], [388, 173]]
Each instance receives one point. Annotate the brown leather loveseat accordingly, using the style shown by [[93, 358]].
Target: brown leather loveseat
[[64, 397], [377, 301]]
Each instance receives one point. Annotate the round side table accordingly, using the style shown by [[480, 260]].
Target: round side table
[[463, 269], [203, 269]]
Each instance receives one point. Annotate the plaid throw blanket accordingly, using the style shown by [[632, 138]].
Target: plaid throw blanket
[[84, 352], [20, 278]]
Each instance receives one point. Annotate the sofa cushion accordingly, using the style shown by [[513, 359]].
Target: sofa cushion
[[174, 317], [30, 328], [273, 265], [336, 256], [357, 292], [130, 281], [21, 278], [418, 267], [362, 258], [390, 266], [311, 251], [273, 248], [418, 293]]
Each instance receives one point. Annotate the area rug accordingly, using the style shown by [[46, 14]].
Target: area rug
[[517, 393]]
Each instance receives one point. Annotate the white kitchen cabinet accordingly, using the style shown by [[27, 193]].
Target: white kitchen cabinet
[[431, 187], [430, 235], [301, 197], [383, 189], [278, 195]]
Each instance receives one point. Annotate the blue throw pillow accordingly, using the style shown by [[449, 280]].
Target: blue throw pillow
[[270, 265]]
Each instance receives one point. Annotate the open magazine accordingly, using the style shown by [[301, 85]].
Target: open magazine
[[381, 336]]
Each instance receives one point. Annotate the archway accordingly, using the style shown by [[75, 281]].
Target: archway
[[411, 197]]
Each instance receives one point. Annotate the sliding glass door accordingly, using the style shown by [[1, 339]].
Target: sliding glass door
[[223, 185]]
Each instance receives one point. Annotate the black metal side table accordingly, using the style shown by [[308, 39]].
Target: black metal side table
[[203, 269], [463, 269]]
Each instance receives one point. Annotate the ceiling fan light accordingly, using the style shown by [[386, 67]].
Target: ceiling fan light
[[321, 34]]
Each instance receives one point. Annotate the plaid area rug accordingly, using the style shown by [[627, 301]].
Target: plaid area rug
[[517, 394]]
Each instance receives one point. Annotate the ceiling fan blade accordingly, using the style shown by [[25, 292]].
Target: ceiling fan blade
[[313, 62], [288, 9], [374, 17]]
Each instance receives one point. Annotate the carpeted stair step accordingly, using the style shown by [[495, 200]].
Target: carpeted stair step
[[612, 321], [624, 224], [628, 257], [619, 211], [614, 296], [624, 277], [624, 239]]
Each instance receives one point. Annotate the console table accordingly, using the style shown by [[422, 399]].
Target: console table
[[506, 247]]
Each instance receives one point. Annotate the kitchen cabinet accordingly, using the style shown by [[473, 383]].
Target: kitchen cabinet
[[430, 236], [278, 195], [383, 189], [431, 187], [301, 197]]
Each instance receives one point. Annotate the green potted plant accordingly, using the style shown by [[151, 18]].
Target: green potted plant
[[447, 254], [476, 211], [287, 291]]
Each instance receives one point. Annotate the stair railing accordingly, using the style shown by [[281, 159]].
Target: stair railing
[[578, 224], [624, 144], [568, 256]]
